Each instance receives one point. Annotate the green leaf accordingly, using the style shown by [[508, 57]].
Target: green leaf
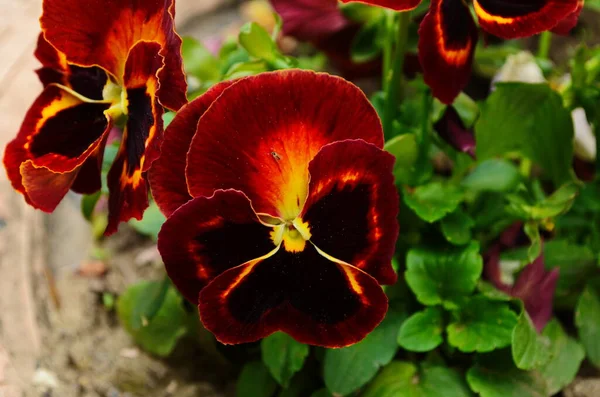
[[321, 393], [160, 334], [283, 356], [151, 222], [530, 350], [529, 119], [257, 42], [255, 381], [88, 204], [365, 45], [467, 109], [587, 320], [404, 379], [489, 381], [567, 355], [558, 203], [150, 301], [433, 201], [457, 226], [405, 149], [532, 231], [198, 61], [422, 331], [245, 69], [482, 325], [346, 370], [443, 275], [494, 175]]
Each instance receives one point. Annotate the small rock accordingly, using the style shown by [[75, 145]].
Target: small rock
[[130, 352], [583, 387], [45, 379]]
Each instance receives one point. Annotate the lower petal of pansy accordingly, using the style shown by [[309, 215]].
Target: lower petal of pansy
[[447, 39], [512, 19], [398, 5], [167, 175], [316, 300], [142, 137], [59, 133], [46, 189], [89, 176], [102, 33], [352, 206], [208, 236], [565, 26], [260, 134]]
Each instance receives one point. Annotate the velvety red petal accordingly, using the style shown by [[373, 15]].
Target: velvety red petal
[[310, 20], [398, 5], [260, 134], [352, 206], [45, 188], [59, 132], [514, 19], [447, 40], [167, 175], [452, 130], [208, 236], [142, 137], [305, 294], [565, 26], [102, 33], [89, 177]]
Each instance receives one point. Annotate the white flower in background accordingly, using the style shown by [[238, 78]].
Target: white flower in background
[[523, 68]]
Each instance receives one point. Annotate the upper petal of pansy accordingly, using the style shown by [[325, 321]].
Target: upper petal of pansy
[[102, 33], [208, 236], [512, 19], [447, 40], [565, 26], [167, 175], [352, 206], [310, 20], [86, 81], [59, 133], [316, 299], [398, 5], [142, 137], [260, 134]]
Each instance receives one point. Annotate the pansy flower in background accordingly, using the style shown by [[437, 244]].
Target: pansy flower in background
[[281, 209], [448, 34], [534, 285], [103, 63]]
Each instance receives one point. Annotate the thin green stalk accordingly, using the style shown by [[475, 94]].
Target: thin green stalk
[[393, 75], [388, 48], [544, 45]]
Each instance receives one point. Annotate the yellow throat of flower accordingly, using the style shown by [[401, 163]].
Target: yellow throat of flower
[[294, 235]]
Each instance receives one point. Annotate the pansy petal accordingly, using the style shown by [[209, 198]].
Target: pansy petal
[[310, 20], [398, 5], [101, 33], [142, 137], [565, 26], [447, 39], [59, 132], [88, 81], [167, 175], [260, 134], [352, 206], [521, 18], [452, 130], [207, 236], [89, 177], [305, 294], [46, 189]]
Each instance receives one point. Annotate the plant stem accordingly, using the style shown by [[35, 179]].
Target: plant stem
[[544, 45], [388, 47], [393, 75]]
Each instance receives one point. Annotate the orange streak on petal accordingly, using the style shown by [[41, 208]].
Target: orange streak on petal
[[249, 266]]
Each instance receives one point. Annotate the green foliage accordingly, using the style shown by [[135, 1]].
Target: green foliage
[[528, 119], [445, 276], [422, 331], [456, 227], [255, 381], [587, 319], [152, 312], [433, 201], [529, 349], [348, 369], [405, 379], [495, 175], [151, 222], [492, 380], [283, 356]]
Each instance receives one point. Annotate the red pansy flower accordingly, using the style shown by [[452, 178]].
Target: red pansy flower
[[281, 209], [103, 62], [448, 35]]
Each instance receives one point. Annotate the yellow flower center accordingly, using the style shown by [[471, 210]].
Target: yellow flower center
[[115, 94], [293, 235]]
